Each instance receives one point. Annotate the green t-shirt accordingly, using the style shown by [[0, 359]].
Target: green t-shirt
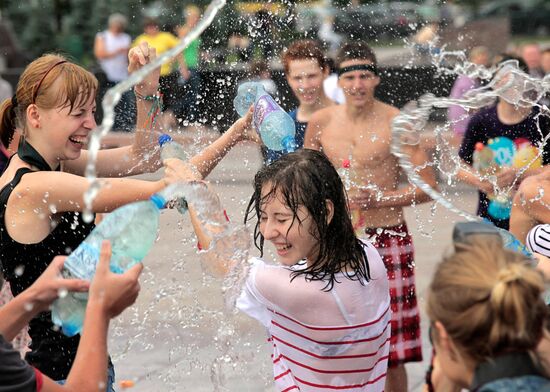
[[191, 54]]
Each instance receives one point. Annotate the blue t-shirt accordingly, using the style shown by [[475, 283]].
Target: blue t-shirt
[[272, 155], [484, 126]]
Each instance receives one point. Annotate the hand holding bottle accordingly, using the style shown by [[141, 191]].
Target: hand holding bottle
[[275, 127], [45, 290], [113, 292]]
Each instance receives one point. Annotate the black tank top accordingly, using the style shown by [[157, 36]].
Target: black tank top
[[51, 352]]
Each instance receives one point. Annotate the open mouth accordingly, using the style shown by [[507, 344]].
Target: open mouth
[[283, 247], [81, 140]]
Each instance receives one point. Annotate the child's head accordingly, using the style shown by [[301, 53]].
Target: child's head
[[306, 68], [48, 82], [484, 301], [300, 203]]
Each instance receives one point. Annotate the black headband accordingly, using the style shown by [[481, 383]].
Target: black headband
[[358, 67]]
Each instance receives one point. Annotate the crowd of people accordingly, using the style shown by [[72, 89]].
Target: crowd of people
[[341, 309]]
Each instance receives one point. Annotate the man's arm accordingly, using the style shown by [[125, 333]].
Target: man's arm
[[411, 194], [312, 137], [531, 205]]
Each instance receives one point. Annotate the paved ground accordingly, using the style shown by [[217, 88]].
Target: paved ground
[[177, 338]]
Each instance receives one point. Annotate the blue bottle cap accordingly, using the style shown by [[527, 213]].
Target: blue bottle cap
[[288, 143], [158, 201], [163, 139], [71, 329]]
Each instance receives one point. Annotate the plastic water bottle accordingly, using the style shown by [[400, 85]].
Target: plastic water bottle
[[171, 149], [275, 127], [132, 230], [511, 242]]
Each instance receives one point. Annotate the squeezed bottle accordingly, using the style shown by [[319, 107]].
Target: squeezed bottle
[[172, 149], [132, 230], [275, 127]]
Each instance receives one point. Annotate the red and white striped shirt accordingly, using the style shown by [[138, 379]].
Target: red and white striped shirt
[[323, 341]]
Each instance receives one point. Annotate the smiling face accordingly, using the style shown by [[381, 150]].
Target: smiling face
[[63, 130], [358, 85], [289, 233], [305, 78]]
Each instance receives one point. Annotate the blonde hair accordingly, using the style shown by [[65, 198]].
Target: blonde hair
[[488, 299], [35, 86]]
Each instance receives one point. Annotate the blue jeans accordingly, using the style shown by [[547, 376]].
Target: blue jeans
[[110, 378]]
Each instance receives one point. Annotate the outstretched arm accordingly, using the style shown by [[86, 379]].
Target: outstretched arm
[[531, 205], [143, 155], [411, 194], [206, 160]]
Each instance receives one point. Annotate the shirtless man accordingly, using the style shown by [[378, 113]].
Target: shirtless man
[[361, 129]]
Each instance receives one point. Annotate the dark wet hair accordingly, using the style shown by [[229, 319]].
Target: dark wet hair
[[355, 50], [307, 178]]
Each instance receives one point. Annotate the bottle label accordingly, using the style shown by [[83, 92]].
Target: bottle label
[[264, 106], [82, 262]]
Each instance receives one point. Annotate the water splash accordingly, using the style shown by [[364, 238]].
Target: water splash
[[230, 243], [113, 95], [508, 82]]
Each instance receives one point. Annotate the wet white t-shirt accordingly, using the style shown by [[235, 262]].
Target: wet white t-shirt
[[323, 339]]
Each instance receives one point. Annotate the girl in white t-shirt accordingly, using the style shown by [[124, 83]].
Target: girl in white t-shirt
[[326, 306]]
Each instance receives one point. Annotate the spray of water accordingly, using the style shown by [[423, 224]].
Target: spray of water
[[113, 95], [508, 82], [230, 242]]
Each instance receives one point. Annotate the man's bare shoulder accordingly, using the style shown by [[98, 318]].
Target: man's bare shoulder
[[325, 114], [388, 110]]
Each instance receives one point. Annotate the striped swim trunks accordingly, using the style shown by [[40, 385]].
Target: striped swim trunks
[[396, 249]]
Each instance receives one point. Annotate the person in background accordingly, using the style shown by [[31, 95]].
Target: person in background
[[162, 41], [531, 54], [457, 115], [305, 67], [187, 106], [488, 318], [509, 126], [111, 50], [109, 295], [330, 85]]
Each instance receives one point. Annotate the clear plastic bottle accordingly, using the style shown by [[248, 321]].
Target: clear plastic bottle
[[275, 127], [132, 230], [172, 149]]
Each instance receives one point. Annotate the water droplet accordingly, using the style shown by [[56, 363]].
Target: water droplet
[[19, 270]]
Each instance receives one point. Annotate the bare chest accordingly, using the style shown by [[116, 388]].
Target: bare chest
[[366, 145]]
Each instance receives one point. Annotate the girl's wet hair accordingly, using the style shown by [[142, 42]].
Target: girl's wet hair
[[307, 178], [36, 86]]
